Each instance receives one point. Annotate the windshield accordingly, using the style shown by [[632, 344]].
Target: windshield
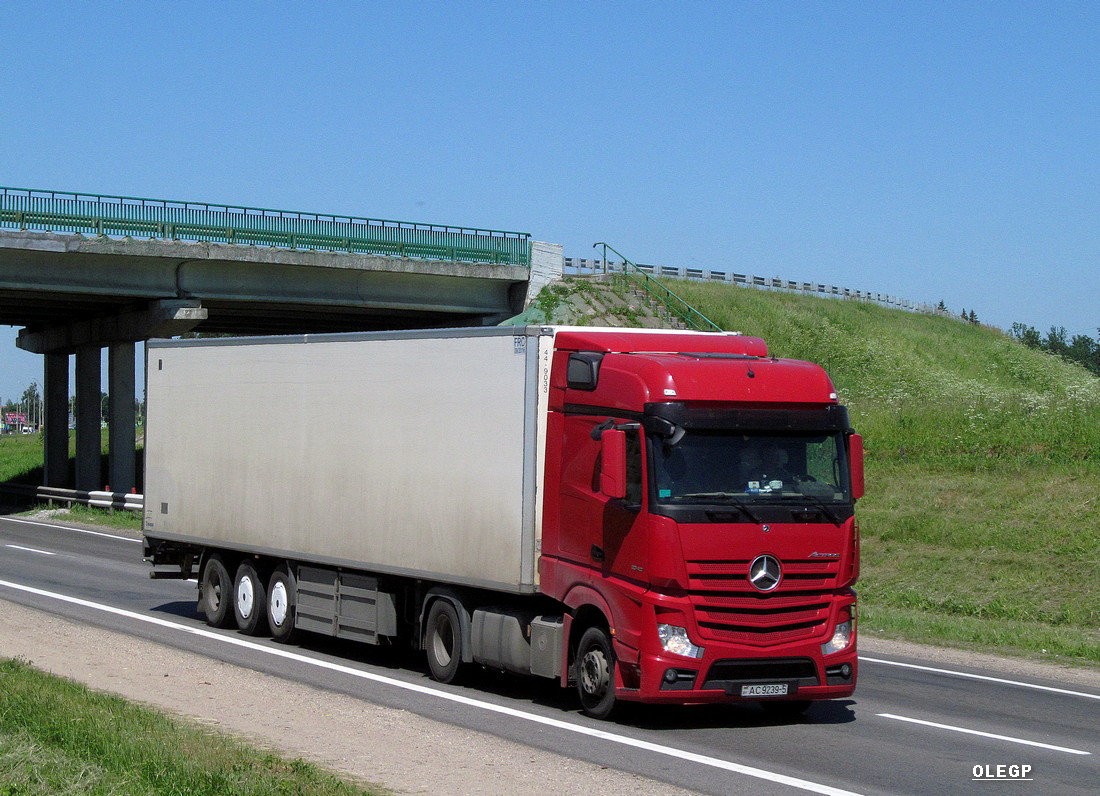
[[706, 466]]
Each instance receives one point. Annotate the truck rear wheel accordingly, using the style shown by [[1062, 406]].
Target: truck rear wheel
[[443, 642], [596, 673], [249, 599], [281, 596], [216, 600]]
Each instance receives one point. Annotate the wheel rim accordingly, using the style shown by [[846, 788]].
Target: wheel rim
[[278, 603], [595, 675], [443, 642], [246, 596], [216, 593]]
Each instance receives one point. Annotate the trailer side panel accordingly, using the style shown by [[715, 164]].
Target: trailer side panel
[[401, 454]]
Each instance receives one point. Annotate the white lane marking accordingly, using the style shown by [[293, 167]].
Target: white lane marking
[[982, 677], [74, 530], [624, 740], [30, 549], [1008, 738]]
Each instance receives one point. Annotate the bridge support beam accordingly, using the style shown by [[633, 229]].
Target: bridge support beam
[[158, 319], [55, 394]]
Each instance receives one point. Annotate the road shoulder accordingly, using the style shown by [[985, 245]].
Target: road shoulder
[[945, 657], [396, 749]]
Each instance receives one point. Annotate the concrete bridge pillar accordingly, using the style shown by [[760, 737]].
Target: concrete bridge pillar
[[122, 436], [88, 409], [55, 393]]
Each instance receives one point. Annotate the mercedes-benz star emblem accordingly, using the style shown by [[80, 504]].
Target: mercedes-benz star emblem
[[765, 572]]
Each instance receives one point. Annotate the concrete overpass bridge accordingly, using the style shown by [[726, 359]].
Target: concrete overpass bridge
[[82, 272]]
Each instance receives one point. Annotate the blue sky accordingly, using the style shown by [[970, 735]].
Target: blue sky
[[933, 151]]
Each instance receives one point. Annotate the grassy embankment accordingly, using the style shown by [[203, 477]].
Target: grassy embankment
[[21, 458], [57, 737], [981, 524]]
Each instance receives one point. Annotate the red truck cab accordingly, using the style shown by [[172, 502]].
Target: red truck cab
[[698, 522]]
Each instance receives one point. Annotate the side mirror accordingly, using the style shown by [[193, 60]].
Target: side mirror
[[613, 463], [855, 463]]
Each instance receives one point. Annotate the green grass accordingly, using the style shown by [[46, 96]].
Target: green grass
[[996, 559], [87, 515], [979, 528], [58, 737], [20, 455]]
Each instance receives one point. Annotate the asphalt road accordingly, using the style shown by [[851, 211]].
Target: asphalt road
[[914, 726]]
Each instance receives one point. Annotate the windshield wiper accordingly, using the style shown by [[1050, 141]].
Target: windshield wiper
[[816, 501], [726, 497]]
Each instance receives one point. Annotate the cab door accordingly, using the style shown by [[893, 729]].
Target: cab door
[[598, 531], [623, 550]]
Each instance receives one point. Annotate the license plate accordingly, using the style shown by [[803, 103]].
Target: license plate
[[769, 690]]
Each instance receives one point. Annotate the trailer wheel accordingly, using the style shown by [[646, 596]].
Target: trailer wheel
[[443, 642], [249, 599], [281, 596], [596, 673], [217, 593]]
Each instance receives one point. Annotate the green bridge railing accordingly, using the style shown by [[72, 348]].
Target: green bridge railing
[[59, 211]]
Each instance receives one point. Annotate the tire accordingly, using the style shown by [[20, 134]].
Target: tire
[[216, 600], [249, 600], [596, 673], [787, 709], [282, 594], [443, 642]]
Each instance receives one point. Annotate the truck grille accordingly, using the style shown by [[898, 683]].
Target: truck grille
[[728, 608]]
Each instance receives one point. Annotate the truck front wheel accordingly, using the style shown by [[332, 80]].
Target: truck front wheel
[[443, 642], [216, 599], [281, 595], [596, 673]]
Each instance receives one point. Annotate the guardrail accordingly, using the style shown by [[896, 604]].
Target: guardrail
[[578, 265], [122, 216], [120, 501]]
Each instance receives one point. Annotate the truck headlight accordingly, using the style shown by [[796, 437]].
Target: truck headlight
[[675, 640], [842, 637]]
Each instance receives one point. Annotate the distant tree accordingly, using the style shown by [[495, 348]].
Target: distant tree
[[973, 317], [31, 404], [1028, 335], [941, 307], [1080, 349], [1085, 350], [30, 395], [1055, 341]]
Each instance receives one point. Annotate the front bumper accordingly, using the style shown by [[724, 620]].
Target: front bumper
[[720, 677]]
